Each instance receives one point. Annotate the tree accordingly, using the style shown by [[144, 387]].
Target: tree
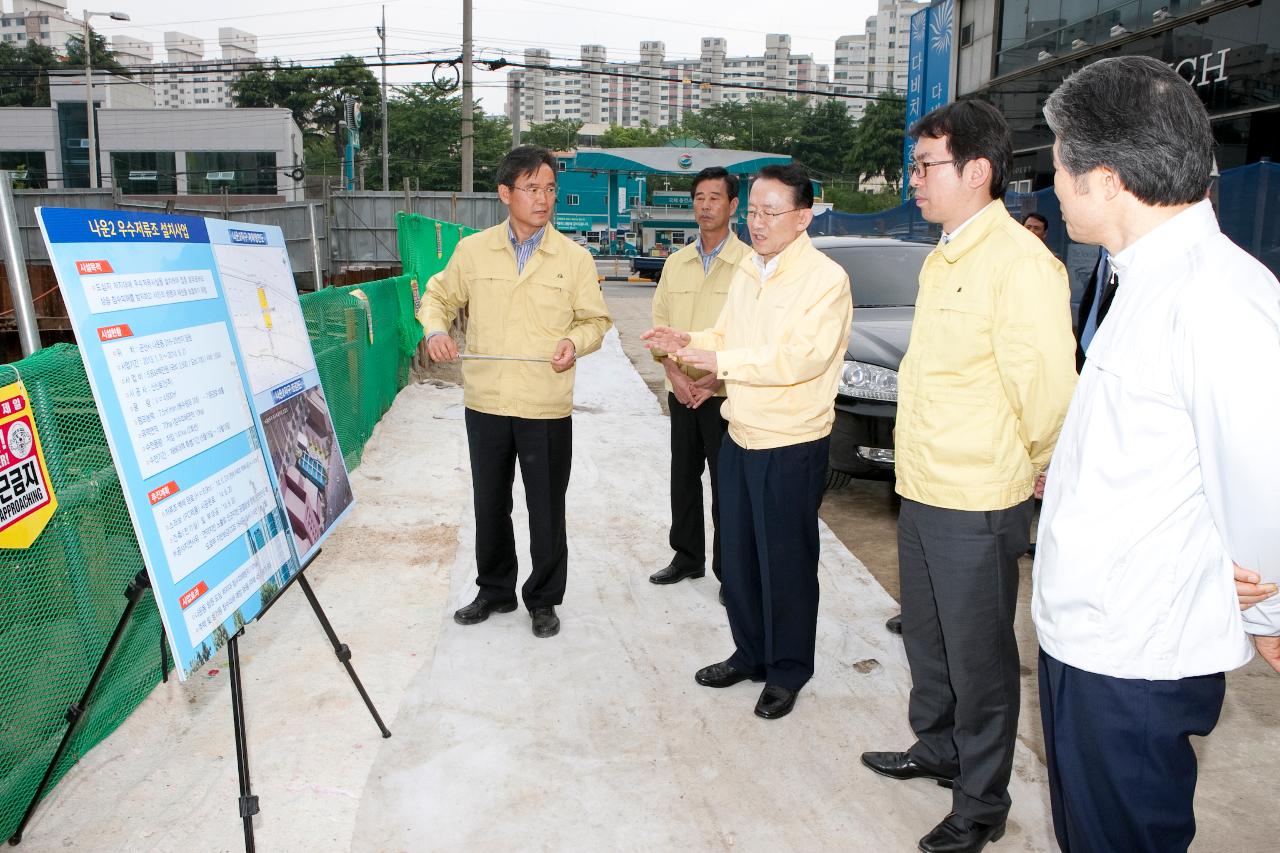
[[877, 142], [559, 134], [424, 129], [825, 137], [644, 136], [25, 82], [220, 637], [238, 620], [314, 95], [104, 59], [268, 592]]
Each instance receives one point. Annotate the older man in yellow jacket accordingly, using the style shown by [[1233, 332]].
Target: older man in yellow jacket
[[982, 393], [534, 306], [778, 345], [690, 295]]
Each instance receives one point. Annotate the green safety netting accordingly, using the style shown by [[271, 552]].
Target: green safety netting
[[425, 244], [61, 598]]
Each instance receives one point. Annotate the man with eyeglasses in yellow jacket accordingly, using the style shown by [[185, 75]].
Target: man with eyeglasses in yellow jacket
[[534, 307], [982, 393], [778, 345]]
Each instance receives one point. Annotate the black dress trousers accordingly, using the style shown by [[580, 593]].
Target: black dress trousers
[[544, 449], [769, 503], [696, 435]]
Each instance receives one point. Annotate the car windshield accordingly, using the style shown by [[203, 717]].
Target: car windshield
[[882, 276]]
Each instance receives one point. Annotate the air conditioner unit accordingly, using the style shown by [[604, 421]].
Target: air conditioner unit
[[1043, 55], [1076, 44], [1119, 30], [1161, 14]]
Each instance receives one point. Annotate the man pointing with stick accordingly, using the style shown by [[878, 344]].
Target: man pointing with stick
[[534, 306]]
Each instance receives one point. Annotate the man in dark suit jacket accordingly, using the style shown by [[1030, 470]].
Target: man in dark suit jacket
[[1087, 316]]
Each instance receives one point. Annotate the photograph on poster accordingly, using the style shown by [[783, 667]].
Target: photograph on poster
[[309, 466]]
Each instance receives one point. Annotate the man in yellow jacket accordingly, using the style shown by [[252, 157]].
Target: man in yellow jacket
[[778, 346], [982, 393], [690, 295], [534, 307]]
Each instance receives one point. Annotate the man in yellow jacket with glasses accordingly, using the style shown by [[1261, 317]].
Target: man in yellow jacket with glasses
[[534, 307], [982, 393]]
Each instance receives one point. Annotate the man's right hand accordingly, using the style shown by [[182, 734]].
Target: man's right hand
[[442, 348], [665, 338]]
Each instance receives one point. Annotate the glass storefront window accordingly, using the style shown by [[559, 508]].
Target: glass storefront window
[[145, 172], [73, 137], [239, 172], [28, 168], [1034, 31]]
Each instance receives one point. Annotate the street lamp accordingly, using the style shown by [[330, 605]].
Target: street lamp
[[88, 88]]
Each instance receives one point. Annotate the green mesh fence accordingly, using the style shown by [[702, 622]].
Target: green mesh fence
[[425, 244], [61, 599]]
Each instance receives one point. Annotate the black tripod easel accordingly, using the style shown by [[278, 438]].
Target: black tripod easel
[[248, 802]]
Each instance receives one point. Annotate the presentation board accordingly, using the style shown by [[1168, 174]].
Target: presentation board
[[195, 346]]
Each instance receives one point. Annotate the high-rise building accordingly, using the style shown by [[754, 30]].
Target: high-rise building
[[45, 22], [655, 89], [186, 79], [875, 62]]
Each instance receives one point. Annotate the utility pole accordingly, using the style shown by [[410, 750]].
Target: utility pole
[[88, 92], [468, 137], [382, 54]]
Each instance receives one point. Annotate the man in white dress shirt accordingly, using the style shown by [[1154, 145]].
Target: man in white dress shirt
[[1165, 475]]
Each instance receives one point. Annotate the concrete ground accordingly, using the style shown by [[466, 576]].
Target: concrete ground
[[597, 739]]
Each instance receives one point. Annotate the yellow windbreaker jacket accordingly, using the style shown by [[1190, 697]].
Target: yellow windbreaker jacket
[[989, 370], [557, 296], [780, 346]]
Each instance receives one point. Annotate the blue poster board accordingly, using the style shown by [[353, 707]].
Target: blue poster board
[[928, 72], [199, 360]]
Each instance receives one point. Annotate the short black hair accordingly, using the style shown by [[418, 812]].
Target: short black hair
[[716, 173], [1139, 117], [1033, 215], [974, 130], [524, 160], [793, 176]]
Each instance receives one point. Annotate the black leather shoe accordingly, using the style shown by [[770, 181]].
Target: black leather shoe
[[722, 595], [957, 834], [723, 675], [894, 625], [674, 574], [900, 765], [545, 621], [479, 610], [775, 702]]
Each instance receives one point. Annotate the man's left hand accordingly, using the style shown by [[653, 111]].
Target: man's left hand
[[565, 356], [703, 359], [1269, 649], [710, 383]]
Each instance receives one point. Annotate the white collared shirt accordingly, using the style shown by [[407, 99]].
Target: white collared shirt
[[948, 237], [766, 268], [1168, 466]]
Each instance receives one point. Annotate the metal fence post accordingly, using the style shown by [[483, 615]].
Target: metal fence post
[[24, 310], [316, 273]]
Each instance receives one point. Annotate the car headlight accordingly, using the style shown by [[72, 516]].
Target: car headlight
[[869, 381]]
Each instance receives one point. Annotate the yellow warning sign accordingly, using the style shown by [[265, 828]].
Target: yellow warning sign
[[26, 494]]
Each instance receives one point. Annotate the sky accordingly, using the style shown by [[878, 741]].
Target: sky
[[319, 30]]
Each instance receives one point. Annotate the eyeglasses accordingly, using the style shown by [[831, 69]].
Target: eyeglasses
[[767, 216], [920, 168], [534, 192]]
